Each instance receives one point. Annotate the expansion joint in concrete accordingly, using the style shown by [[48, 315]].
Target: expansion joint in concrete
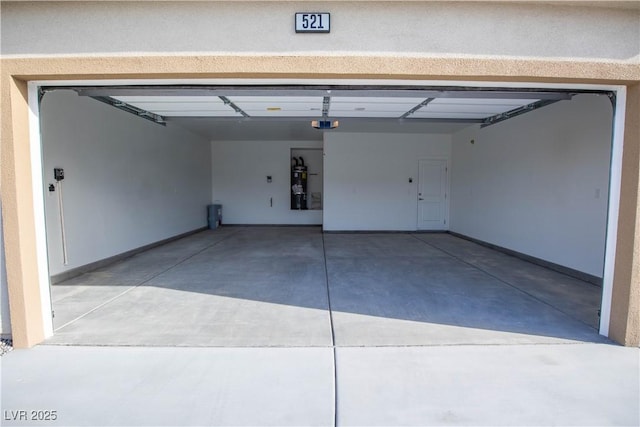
[[333, 337]]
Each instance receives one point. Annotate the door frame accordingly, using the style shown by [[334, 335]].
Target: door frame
[[447, 198], [24, 235]]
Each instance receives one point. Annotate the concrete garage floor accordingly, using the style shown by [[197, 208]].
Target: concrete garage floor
[[423, 329], [257, 287]]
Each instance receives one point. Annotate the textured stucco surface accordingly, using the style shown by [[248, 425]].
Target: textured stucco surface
[[408, 28], [625, 320], [318, 67], [18, 218], [634, 300]]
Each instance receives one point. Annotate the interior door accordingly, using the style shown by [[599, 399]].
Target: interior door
[[433, 209]]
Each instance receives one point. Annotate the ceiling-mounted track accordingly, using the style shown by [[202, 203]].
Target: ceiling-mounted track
[[516, 112], [237, 109], [416, 108], [147, 115]]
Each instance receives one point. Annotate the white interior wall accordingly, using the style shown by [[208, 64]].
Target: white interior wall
[[128, 182], [366, 178], [538, 183], [240, 170]]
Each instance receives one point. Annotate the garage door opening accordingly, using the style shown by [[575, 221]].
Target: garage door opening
[[515, 181]]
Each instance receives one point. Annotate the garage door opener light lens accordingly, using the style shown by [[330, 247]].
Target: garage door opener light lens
[[325, 124]]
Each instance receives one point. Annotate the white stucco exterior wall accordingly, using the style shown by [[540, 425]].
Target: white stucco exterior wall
[[396, 28]]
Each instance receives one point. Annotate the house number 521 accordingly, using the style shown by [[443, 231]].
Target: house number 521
[[313, 22]]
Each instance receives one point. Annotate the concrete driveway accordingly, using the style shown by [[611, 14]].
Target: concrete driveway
[[489, 385]]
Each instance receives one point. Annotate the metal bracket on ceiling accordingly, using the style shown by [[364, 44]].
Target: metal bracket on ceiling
[[41, 93], [230, 103], [144, 114], [416, 108], [612, 97], [516, 112]]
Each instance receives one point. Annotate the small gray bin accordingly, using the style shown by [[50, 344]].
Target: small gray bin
[[214, 216]]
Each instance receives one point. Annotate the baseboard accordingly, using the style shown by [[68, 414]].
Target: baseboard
[[271, 225], [385, 231], [74, 272], [594, 280], [368, 232]]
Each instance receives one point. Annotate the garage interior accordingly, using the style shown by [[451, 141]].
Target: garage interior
[[440, 215]]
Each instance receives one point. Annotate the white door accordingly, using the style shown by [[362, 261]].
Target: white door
[[432, 195]]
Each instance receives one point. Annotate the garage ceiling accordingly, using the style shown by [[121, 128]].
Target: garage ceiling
[[276, 112]]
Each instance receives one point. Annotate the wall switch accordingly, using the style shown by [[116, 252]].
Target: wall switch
[[269, 179], [597, 194]]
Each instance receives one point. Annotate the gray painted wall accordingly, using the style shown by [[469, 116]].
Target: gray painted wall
[[538, 183], [128, 182], [397, 28]]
